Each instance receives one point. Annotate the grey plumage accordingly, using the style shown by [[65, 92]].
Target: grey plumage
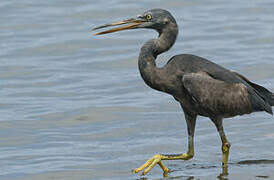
[[232, 94], [199, 85]]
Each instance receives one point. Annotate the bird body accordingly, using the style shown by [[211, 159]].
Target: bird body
[[199, 85], [194, 81]]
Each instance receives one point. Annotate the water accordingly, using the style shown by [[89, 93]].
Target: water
[[73, 106]]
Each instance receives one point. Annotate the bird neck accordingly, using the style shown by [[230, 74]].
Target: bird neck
[[151, 49]]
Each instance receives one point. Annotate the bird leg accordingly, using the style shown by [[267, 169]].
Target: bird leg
[[225, 149], [157, 159], [225, 144]]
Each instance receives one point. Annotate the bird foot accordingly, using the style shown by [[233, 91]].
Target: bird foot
[[156, 159]]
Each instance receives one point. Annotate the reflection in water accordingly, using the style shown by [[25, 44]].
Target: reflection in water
[[262, 176], [257, 161], [172, 177], [224, 174]]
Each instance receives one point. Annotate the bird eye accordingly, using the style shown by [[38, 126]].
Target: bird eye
[[148, 17]]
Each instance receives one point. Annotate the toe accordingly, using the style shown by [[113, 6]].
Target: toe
[[143, 166], [156, 159]]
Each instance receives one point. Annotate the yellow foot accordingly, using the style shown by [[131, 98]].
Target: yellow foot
[[156, 159]]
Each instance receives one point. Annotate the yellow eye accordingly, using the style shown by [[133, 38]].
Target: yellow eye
[[148, 17]]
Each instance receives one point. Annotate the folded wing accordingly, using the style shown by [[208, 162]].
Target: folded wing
[[222, 98]]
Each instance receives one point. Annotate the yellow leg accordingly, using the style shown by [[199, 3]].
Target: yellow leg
[[225, 150], [165, 170], [224, 171], [225, 144], [157, 159]]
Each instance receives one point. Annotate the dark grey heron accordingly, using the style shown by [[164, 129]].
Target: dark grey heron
[[199, 85]]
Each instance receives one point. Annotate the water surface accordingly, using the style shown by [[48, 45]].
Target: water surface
[[73, 106]]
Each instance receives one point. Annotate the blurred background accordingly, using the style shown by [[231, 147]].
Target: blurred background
[[74, 106]]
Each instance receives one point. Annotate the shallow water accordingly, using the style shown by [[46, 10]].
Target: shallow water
[[73, 106]]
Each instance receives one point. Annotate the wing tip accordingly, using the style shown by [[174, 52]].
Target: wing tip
[[268, 109]]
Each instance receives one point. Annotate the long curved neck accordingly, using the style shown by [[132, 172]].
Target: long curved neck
[[149, 52]]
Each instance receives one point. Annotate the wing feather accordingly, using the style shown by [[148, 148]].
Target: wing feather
[[217, 96]]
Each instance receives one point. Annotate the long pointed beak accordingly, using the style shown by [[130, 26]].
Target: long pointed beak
[[131, 24]]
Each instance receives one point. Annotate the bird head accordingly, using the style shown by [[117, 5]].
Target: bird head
[[157, 19]]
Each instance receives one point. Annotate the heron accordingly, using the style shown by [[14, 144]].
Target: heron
[[202, 87]]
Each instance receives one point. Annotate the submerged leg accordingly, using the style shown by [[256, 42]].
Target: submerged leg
[[225, 144], [157, 159]]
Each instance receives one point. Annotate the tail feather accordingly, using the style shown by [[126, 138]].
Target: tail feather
[[272, 100], [258, 101], [265, 94]]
